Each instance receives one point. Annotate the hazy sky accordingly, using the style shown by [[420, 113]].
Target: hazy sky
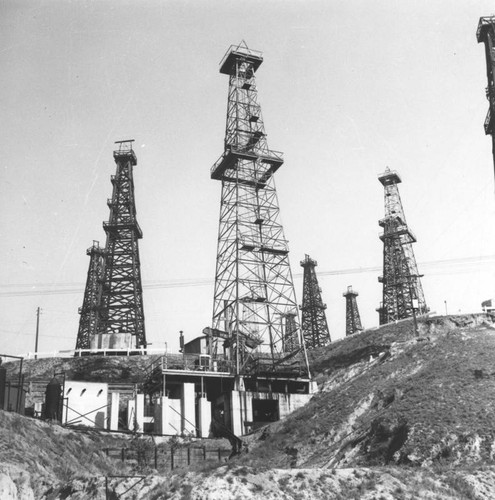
[[346, 88]]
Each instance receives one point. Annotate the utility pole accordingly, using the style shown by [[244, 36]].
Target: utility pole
[[37, 333]]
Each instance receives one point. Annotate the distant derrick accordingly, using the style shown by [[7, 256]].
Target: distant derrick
[[402, 291], [352, 318], [90, 310], [291, 340], [314, 322], [486, 34], [112, 315], [254, 305]]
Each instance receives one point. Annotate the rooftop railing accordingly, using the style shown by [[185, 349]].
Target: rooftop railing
[[190, 362], [241, 49], [264, 156], [69, 353]]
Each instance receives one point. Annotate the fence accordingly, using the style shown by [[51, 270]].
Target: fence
[[168, 458]]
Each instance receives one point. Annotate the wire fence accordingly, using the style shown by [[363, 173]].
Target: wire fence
[[168, 458]]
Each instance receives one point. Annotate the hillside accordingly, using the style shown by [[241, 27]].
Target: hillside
[[45, 461], [397, 417], [388, 397], [40, 460], [124, 369]]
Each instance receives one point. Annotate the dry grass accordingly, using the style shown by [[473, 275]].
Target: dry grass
[[53, 455], [427, 402], [123, 369]]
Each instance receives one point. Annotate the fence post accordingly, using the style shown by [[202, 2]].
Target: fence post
[[156, 457], [172, 458], [123, 454], [188, 455], [219, 455], [204, 452]]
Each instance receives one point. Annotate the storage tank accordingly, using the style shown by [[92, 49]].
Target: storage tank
[[53, 396]]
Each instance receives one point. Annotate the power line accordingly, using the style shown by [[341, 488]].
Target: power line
[[75, 288], [42, 335]]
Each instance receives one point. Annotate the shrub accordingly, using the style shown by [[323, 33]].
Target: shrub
[[241, 471], [459, 485]]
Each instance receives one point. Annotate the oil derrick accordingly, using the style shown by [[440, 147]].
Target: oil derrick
[[352, 318], [291, 332], [402, 291], [122, 293], [254, 291], [90, 311], [116, 318], [486, 34], [313, 321]]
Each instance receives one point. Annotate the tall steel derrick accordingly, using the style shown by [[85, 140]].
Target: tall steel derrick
[[486, 34], [352, 317], [114, 316], [313, 322], [403, 295], [90, 310], [254, 307]]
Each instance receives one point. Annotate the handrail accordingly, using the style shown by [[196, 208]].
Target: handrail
[[241, 49], [264, 155], [67, 353]]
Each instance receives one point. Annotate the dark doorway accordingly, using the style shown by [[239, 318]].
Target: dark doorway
[[265, 411]]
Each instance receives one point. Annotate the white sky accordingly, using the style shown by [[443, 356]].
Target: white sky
[[347, 88]]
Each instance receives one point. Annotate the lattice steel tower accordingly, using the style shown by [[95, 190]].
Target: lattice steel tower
[[352, 317], [402, 291], [90, 310], [114, 315], [313, 322], [291, 341], [486, 34], [254, 307]]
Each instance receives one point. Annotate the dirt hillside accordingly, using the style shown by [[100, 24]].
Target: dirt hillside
[[123, 369], [398, 416], [389, 397]]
